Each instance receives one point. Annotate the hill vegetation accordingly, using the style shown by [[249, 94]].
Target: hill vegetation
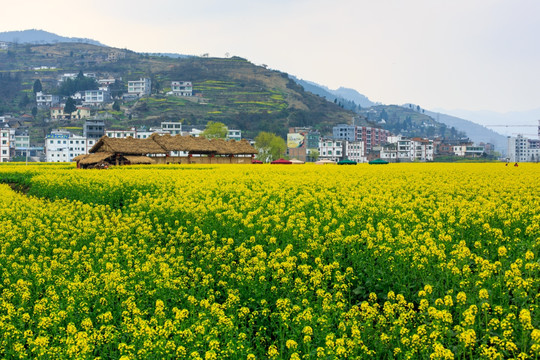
[[229, 90]]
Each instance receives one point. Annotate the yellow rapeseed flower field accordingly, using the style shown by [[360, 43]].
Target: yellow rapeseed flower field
[[406, 261]]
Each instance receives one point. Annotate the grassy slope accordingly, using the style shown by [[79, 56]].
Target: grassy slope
[[231, 90]]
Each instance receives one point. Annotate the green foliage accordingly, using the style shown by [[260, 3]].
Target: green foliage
[[70, 106], [116, 106], [24, 101], [270, 146], [215, 130], [80, 83], [37, 86]]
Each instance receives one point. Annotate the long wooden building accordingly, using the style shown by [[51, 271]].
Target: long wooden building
[[166, 149]]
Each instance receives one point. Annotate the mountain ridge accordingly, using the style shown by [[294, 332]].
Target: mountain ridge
[[35, 36]]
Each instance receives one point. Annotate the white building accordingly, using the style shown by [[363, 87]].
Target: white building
[[521, 149], [355, 151], [106, 82], [141, 87], [121, 134], [46, 100], [5, 143], [96, 97], [182, 88], [63, 146], [171, 127], [234, 135], [331, 149], [405, 149]]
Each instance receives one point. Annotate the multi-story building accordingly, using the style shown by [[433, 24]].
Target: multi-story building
[[234, 135], [96, 97], [82, 112], [173, 128], [141, 87], [46, 100], [21, 142], [331, 149], [302, 143], [5, 136], [371, 136], [354, 150], [182, 88], [63, 146], [94, 128], [406, 150], [106, 82], [521, 149], [119, 134]]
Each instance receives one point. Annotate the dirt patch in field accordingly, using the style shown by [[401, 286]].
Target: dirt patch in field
[[21, 188]]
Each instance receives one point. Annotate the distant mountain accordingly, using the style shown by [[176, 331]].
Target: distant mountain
[[508, 122], [170, 55], [353, 95], [477, 133], [41, 37], [342, 94]]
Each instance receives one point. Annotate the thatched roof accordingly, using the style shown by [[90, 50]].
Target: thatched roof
[[157, 144], [135, 160], [233, 147], [244, 147], [128, 145], [183, 143], [79, 157], [95, 158]]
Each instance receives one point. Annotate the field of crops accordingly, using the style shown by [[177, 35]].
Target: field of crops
[[406, 261]]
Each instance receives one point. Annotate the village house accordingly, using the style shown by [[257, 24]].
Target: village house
[[302, 142], [331, 149], [141, 87], [5, 143], [402, 149], [96, 97], [46, 100], [63, 146], [82, 112], [371, 136], [181, 88]]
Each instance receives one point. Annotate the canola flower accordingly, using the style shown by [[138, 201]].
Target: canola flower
[[408, 261]]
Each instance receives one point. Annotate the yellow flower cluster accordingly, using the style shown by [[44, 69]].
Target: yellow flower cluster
[[435, 261]]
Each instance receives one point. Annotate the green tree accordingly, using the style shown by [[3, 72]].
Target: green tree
[[37, 86], [80, 83], [34, 111], [215, 130], [314, 154], [24, 101], [70, 106], [270, 146], [116, 106]]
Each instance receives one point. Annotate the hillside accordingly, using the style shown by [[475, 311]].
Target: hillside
[[350, 99], [475, 132], [230, 90], [409, 122]]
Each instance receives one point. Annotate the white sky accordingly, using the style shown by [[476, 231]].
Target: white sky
[[457, 54]]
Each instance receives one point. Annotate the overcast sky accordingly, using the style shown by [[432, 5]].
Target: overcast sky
[[458, 54]]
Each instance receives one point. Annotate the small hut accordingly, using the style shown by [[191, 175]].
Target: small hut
[[161, 149], [137, 149]]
